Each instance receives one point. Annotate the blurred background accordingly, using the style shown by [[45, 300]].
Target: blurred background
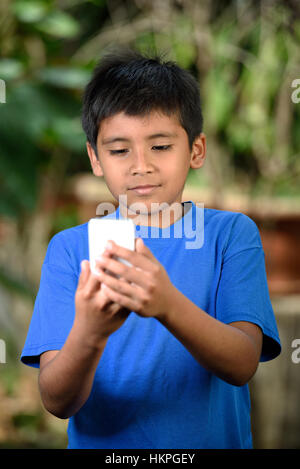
[[245, 55]]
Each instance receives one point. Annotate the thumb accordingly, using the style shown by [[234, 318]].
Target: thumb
[[84, 274], [141, 247]]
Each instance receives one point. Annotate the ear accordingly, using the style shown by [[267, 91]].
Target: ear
[[198, 153], [95, 163]]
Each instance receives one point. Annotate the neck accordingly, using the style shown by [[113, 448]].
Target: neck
[[161, 218]]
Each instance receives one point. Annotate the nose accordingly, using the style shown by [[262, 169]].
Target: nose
[[141, 162]]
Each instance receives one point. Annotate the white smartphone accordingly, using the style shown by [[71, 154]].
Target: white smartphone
[[100, 231]]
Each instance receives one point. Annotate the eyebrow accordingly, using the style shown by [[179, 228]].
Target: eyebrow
[[110, 140]]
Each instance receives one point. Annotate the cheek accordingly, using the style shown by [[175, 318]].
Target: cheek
[[181, 167]]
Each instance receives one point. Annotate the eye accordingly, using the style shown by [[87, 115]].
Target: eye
[[118, 152], [161, 147]]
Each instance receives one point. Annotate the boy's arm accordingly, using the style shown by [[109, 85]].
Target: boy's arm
[[66, 376], [231, 351]]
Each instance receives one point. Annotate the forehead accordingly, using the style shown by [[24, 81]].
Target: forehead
[[122, 124]]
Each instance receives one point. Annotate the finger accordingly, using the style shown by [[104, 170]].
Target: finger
[[141, 247], [130, 296], [93, 282], [112, 271], [84, 274], [106, 302], [142, 258], [118, 284], [123, 301]]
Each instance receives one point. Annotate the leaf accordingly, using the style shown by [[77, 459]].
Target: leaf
[[69, 133], [30, 110], [239, 135], [59, 24], [219, 99], [11, 69], [65, 77], [30, 11], [185, 53]]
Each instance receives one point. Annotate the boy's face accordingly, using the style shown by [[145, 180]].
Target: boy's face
[[146, 159]]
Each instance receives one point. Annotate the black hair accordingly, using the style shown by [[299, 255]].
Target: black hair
[[130, 82]]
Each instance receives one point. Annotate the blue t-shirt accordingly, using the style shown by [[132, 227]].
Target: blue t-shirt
[[149, 391]]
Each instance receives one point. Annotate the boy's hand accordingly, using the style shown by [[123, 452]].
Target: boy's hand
[[143, 287], [96, 315]]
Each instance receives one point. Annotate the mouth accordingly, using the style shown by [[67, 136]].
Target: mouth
[[144, 189]]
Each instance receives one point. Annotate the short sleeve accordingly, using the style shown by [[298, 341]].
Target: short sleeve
[[243, 293], [54, 307]]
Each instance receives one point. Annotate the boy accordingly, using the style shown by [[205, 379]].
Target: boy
[[160, 356]]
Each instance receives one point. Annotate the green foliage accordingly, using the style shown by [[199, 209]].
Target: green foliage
[[32, 122], [31, 12], [64, 77], [244, 61], [11, 69], [64, 218], [46, 18], [245, 56], [27, 421]]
